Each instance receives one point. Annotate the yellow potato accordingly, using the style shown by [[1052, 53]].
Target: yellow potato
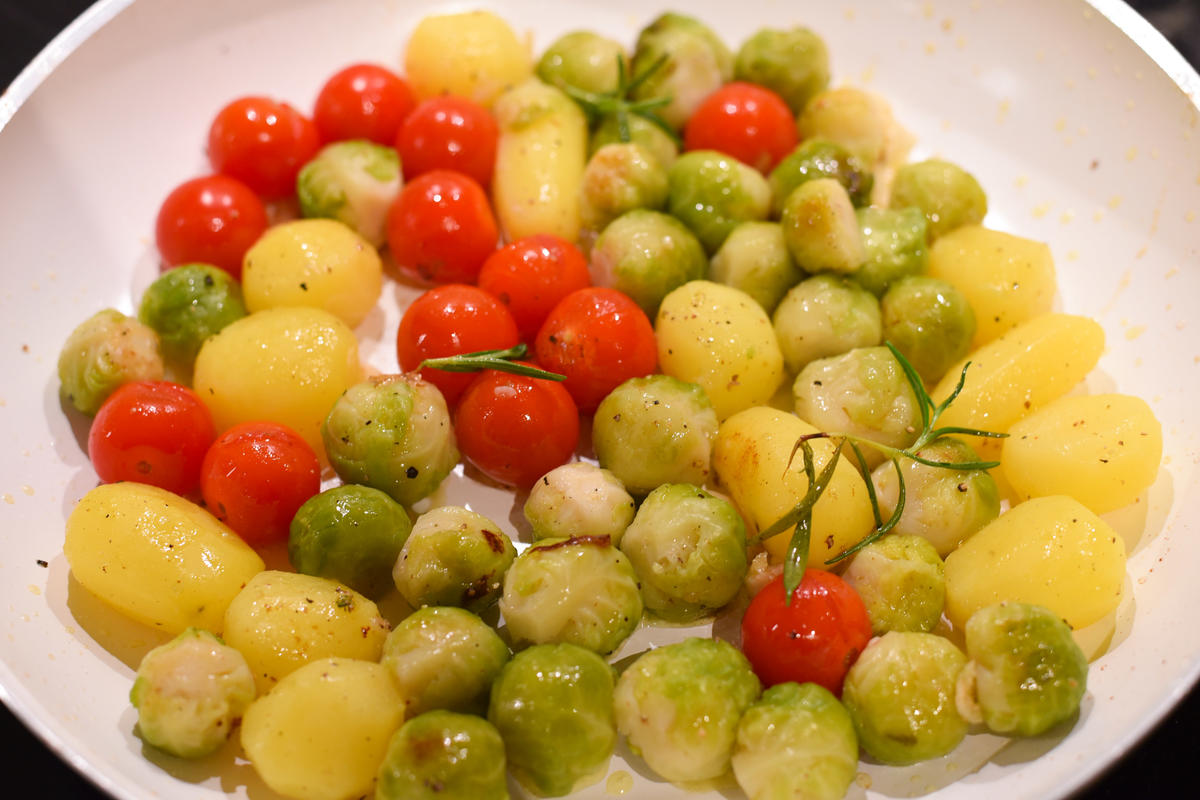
[[1103, 450], [750, 458], [321, 263], [720, 338], [1051, 551], [157, 557], [283, 620], [474, 54], [322, 733]]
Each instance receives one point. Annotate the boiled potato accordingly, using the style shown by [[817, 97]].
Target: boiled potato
[[474, 54], [157, 557], [322, 733]]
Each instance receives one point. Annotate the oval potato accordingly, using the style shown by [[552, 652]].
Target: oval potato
[[474, 54]]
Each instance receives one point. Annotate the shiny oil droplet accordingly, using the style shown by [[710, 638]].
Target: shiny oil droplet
[[619, 782]]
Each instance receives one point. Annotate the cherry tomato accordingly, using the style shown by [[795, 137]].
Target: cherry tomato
[[441, 228], [746, 121], [363, 101], [262, 143], [816, 638], [449, 132], [598, 338], [254, 478], [211, 220], [153, 432], [448, 321], [516, 429], [531, 275]]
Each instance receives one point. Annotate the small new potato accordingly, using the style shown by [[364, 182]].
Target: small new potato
[[474, 54]]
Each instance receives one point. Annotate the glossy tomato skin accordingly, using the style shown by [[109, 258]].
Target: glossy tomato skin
[[153, 432], [210, 220], [516, 429], [449, 132], [746, 121], [441, 228], [363, 101], [816, 638], [263, 143], [598, 338], [531, 275], [254, 478]]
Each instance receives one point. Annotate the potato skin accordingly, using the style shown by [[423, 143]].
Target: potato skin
[[474, 54]]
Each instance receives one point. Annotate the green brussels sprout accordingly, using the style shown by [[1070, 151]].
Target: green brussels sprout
[[793, 63], [393, 433], [688, 549], [901, 696], [580, 590], [646, 254], [654, 430], [896, 246], [947, 194], [697, 64], [190, 692], [441, 755], [354, 182], [640, 131], [352, 534], [712, 193], [1026, 673], [821, 229], [755, 259], [187, 304], [929, 321], [444, 657], [902, 581], [619, 178], [819, 158], [104, 352], [583, 60], [553, 706], [453, 557], [579, 499], [797, 741], [823, 316], [678, 707], [945, 506]]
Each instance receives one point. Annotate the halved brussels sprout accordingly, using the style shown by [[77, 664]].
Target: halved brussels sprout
[[755, 259], [930, 322], [712, 193], [902, 581], [441, 755], [947, 194], [646, 254], [354, 182], [187, 304], [579, 499], [582, 60], [896, 246], [821, 229], [619, 178], [823, 316], [697, 63], [793, 63], [819, 158], [104, 352]]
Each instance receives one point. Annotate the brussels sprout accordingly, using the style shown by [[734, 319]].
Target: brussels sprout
[[755, 259], [796, 742], [393, 433], [945, 506], [654, 430], [929, 321], [580, 590], [947, 194], [793, 63], [697, 63], [441, 755], [190, 692], [620, 178], [895, 242], [553, 705], [900, 694], [641, 131], [712, 193], [902, 581], [859, 121], [352, 534], [688, 549], [353, 182], [453, 557], [820, 228], [582, 60], [186, 305], [105, 351], [825, 315], [579, 499], [679, 706], [819, 158], [444, 657], [646, 254]]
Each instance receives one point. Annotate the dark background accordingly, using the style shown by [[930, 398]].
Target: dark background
[[1165, 759]]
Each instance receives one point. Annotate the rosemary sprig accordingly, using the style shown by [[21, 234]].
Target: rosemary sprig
[[618, 103], [501, 360]]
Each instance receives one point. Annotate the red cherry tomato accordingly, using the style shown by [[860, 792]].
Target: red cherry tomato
[[516, 429], [211, 220], [262, 143], [441, 228], [448, 321], [363, 101], [153, 432], [816, 638], [746, 121], [598, 338], [449, 132], [531, 275], [255, 476]]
